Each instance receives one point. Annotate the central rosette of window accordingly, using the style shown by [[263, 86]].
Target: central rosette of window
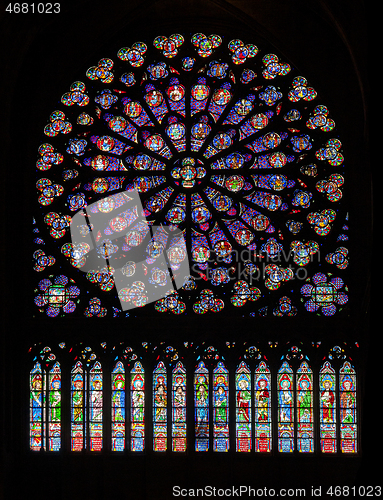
[[188, 172]]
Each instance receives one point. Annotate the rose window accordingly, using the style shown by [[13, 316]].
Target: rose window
[[228, 146]]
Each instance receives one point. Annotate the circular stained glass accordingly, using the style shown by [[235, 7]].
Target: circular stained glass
[[233, 155]]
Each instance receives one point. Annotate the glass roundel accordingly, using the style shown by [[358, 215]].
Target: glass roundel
[[224, 142]]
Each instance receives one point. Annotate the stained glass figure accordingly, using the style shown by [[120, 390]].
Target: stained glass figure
[[221, 408], [37, 423], [118, 415], [201, 405], [206, 146], [347, 406], [285, 408], [305, 413], [262, 393], [137, 411], [327, 402], [78, 407], [95, 407], [54, 408], [179, 408], [243, 408], [160, 401]]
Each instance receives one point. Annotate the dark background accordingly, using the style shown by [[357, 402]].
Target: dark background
[[41, 55]]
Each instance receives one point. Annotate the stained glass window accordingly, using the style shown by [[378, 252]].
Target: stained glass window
[[226, 143], [201, 405], [37, 411], [262, 385], [327, 387], [347, 405], [95, 407], [221, 408], [248, 415], [118, 416], [45, 416], [239, 169], [54, 408], [243, 408], [86, 407], [160, 400], [305, 413], [179, 408], [78, 407], [137, 402], [285, 408]]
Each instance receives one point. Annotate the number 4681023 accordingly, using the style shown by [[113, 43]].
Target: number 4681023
[[33, 8]]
